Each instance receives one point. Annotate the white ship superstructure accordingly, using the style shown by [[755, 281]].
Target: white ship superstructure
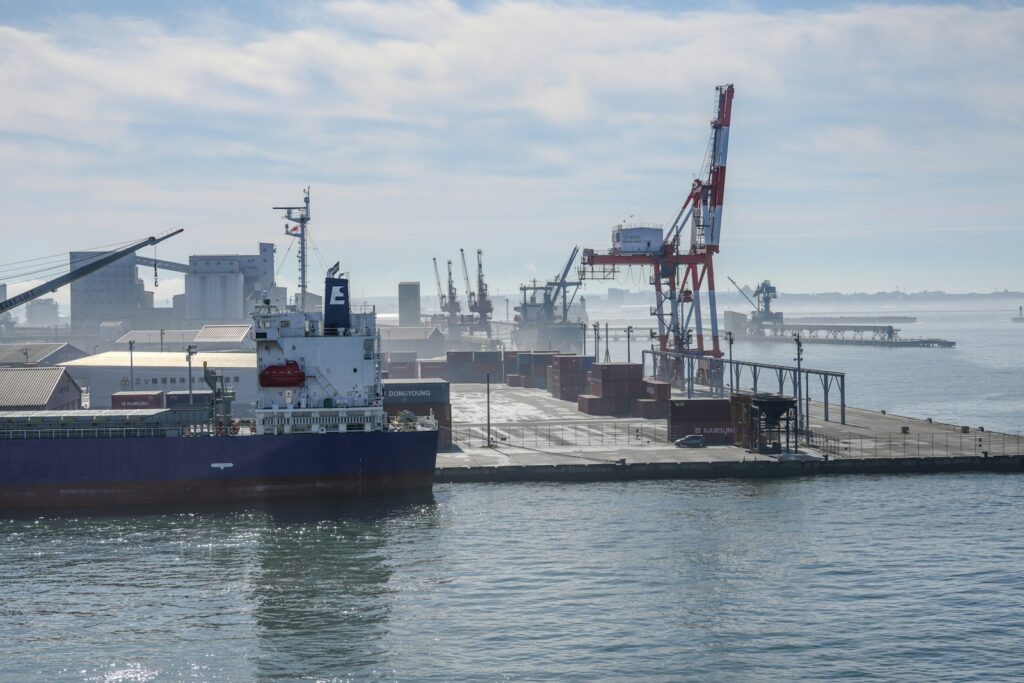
[[318, 373]]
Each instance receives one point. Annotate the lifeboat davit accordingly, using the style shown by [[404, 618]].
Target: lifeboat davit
[[287, 375]]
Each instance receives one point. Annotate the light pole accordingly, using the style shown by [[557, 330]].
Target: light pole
[[597, 342], [607, 355], [799, 359], [189, 352], [489, 442], [583, 329], [131, 363], [161, 341], [687, 364], [629, 334], [729, 338]]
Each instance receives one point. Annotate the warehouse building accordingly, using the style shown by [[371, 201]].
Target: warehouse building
[[32, 353], [40, 388], [106, 373]]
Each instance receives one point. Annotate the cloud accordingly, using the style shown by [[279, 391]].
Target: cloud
[[514, 126]]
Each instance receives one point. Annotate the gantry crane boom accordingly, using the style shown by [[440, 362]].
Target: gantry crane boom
[[740, 290], [80, 272]]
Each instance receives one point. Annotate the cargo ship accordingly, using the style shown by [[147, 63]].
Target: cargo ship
[[319, 430], [549, 318]]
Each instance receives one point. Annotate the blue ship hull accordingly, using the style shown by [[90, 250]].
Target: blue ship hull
[[75, 473]]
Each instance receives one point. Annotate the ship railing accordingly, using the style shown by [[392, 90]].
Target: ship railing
[[87, 433]]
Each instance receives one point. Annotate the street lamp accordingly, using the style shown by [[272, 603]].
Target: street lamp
[[131, 363], [583, 329], [799, 359], [189, 352], [597, 342], [629, 333], [607, 336], [729, 338]]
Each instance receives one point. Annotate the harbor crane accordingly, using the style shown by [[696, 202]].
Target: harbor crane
[[80, 272], [681, 273], [470, 295], [484, 305], [442, 300]]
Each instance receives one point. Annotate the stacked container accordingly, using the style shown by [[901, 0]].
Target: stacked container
[[613, 388], [460, 366], [569, 377], [711, 418]]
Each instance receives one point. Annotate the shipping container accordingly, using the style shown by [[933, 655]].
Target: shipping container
[[416, 391], [136, 400], [179, 399]]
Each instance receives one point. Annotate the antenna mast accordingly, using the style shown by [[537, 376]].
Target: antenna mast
[[300, 215]]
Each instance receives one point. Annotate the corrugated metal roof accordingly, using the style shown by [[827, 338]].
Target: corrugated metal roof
[[165, 359], [37, 353], [223, 334], [153, 337], [28, 387]]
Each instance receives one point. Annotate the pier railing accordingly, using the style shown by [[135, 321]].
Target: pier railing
[[541, 435], [975, 444]]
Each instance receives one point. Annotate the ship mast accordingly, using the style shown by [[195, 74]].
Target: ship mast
[[300, 215]]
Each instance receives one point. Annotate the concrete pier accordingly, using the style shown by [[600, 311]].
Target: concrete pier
[[536, 437]]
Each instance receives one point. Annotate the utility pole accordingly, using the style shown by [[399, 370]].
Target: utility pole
[[629, 354], [799, 408], [729, 338], [688, 363], [189, 352], [131, 363]]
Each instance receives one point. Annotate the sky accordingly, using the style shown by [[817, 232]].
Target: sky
[[873, 146]]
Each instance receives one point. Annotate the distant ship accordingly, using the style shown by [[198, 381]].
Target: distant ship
[[320, 430], [548, 318]]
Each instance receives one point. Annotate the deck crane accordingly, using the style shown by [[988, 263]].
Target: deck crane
[[681, 273], [80, 272], [470, 295], [552, 293]]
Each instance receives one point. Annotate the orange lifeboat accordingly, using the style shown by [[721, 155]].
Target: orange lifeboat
[[287, 375]]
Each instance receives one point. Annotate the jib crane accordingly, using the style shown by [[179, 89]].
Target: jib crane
[[80, 272], [681, 273], [442, 299], [484, 305], [470, 295]]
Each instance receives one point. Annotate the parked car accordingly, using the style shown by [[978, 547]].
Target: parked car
[[691, 441]]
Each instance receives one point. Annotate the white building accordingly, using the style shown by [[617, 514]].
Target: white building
[[106, 373]]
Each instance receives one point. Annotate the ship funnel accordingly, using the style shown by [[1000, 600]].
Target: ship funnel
[[337, 310]]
